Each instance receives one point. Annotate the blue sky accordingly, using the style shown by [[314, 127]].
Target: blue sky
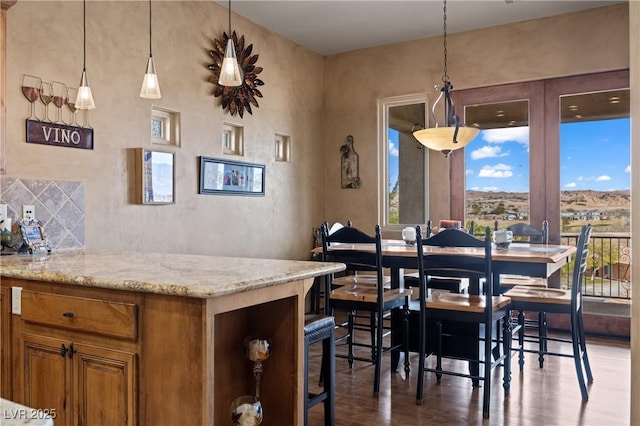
[[593, 155]]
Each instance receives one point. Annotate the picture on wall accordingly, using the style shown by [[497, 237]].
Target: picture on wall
[[221, 176], [156, 176]]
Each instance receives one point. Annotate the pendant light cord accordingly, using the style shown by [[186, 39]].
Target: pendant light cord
[[229, 18], [150, 55], [445, 76], [84, 34]]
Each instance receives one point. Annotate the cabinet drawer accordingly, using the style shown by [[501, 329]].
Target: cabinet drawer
[[78, 313]]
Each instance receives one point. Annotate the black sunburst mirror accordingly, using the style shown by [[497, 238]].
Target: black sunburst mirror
[[237, 99]]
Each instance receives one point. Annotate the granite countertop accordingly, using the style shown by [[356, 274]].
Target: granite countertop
[[14, 414], [173, 274]]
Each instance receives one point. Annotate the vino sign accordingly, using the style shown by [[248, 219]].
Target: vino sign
[[55, 134]]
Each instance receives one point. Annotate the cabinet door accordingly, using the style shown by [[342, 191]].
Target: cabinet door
[[104, 386], [43, 376]]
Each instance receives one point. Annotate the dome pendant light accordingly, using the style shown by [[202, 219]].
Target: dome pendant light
[[84, 100], [453, 136], [150, 87], [230, 70]]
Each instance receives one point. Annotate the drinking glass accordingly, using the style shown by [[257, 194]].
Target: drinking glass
[[60, 97], [46, 96], [71, 104], [31, 90]]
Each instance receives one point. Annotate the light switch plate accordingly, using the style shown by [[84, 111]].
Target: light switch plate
[[16, 300]]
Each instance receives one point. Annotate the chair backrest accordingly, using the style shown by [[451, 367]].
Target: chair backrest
[[525, 233], [580, 266]]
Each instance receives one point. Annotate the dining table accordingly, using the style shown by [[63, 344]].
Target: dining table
[[519, 258]]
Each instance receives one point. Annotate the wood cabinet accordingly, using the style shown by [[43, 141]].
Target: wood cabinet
[[112, 357]]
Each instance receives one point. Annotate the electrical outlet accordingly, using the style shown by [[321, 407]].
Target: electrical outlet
[[29, 212], [16, 300]]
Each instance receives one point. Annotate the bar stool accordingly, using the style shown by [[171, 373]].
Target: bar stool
[[321, 328]]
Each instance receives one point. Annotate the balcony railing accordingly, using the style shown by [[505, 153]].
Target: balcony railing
[[608, 266]]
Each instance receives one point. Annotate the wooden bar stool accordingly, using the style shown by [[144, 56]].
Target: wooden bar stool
[[321, 328]]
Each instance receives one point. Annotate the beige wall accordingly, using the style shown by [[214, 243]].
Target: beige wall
[[45, 39], [634, 37], [590, 41]]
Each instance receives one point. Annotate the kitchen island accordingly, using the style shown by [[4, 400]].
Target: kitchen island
[[143, 338]]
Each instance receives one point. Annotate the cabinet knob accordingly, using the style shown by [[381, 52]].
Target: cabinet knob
[[68, 314], [63, 350]]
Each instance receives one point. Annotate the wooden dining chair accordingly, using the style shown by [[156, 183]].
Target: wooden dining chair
[[557, 301], [377, 299], [525, 233], [445, 315]]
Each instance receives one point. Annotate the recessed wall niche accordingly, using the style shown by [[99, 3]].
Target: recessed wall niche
[[283, 147], [165, 126], [232, 139]]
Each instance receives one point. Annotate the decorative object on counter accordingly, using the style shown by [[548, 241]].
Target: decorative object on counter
[[220, 176], [236, 99], [350, 168], [6, 234], [85, 98], [246, 410], [453, 135], [150, 87], [34, 240], [155, 176]]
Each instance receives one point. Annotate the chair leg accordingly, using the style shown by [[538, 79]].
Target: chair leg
[[583, 348], [373, 323], [506, 348], [350, 330], [378, 360], [488, 343], [422, 353], [439, 354], [405, 338], [542, 337], [577, 357], [329, 383], [521, 340]]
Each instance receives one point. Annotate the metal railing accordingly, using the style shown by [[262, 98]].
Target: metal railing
[[608, 267]]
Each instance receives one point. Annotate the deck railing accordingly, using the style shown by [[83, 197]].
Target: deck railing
[[608, 267]]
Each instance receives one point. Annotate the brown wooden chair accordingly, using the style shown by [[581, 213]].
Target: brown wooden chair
[[376, 298], [443, 312], [548, 300]]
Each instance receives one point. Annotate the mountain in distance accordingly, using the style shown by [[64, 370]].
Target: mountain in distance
[[577, 200]]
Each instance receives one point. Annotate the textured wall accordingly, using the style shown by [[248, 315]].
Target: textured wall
[[578, 43], [45, 39]]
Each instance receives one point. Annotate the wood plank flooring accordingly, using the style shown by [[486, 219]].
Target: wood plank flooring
[[548, 396]]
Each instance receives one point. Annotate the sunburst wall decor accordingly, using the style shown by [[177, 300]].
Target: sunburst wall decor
[[237, 99]]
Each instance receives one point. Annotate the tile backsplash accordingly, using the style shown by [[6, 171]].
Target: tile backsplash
[[59, 206]]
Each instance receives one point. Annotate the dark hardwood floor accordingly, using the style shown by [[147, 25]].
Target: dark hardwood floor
[[548, 396]]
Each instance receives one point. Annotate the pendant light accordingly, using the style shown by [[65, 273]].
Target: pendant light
[[150, 88], [453, 136], [84, 100], [230, 71]]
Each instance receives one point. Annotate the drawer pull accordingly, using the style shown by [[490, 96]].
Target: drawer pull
[[68, 315]]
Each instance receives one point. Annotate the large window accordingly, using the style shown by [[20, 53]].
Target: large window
[[405, 176]]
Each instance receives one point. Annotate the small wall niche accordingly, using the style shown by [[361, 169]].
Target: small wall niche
[[282, 147], [165, 126], [232, 139]]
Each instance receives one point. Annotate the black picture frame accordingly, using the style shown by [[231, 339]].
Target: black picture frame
[[228, 177]]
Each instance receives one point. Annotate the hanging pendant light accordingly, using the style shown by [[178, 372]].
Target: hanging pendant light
[[230, 71], [453, 136], [84, 100], [150, 87]]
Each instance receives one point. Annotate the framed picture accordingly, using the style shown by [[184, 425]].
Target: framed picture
[[156, 176], [220, 176]]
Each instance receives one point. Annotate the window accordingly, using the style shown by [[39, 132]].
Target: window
[[405, 162]]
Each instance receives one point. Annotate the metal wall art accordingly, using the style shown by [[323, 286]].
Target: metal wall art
[[236, 99], [350, 168], [61, 128]]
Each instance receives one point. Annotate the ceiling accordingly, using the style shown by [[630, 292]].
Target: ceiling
[[335, 26]]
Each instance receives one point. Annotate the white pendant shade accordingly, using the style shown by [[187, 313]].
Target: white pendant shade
[[150, 87], [441, 138], [230, 74], [84, 100]]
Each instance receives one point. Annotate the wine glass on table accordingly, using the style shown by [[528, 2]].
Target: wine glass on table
[[71, 104], [31, 90], [46, 96], [60, 97]]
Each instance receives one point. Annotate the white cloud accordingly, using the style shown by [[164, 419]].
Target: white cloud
[[509, 134], [627, 169], [570, 185], [498, 171], [468, 172], [393, 151], [490, 188], [487, 151], [603, 178]]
